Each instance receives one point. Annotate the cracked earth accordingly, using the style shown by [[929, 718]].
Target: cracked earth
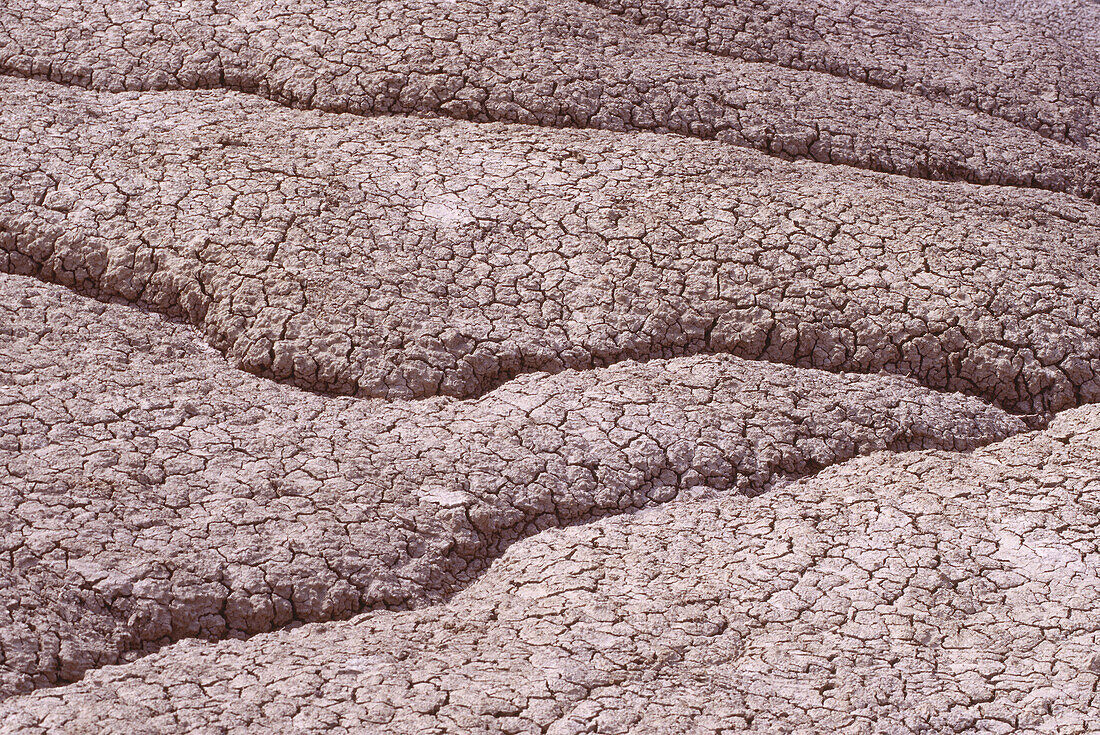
[[551, 366]]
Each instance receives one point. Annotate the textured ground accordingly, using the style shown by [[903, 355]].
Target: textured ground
[[608, 366]]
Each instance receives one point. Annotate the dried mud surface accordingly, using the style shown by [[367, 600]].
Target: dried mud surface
[[606, 366]]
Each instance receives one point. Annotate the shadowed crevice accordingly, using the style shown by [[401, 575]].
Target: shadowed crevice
[[768, 56], [950, 172], [404, 504]]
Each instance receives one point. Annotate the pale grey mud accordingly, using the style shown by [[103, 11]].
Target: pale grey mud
[[550, 366]]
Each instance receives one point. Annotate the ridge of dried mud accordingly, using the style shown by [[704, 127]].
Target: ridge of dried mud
[[898, 591], [572, 64], [403, 504], [606, 366], [506, 251]]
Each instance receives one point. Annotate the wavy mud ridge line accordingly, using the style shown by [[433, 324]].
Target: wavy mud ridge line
[[1063, 170], [908, 47], [507, 250], [781, 611], [619, 366], [166, 495], [569, 64]]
